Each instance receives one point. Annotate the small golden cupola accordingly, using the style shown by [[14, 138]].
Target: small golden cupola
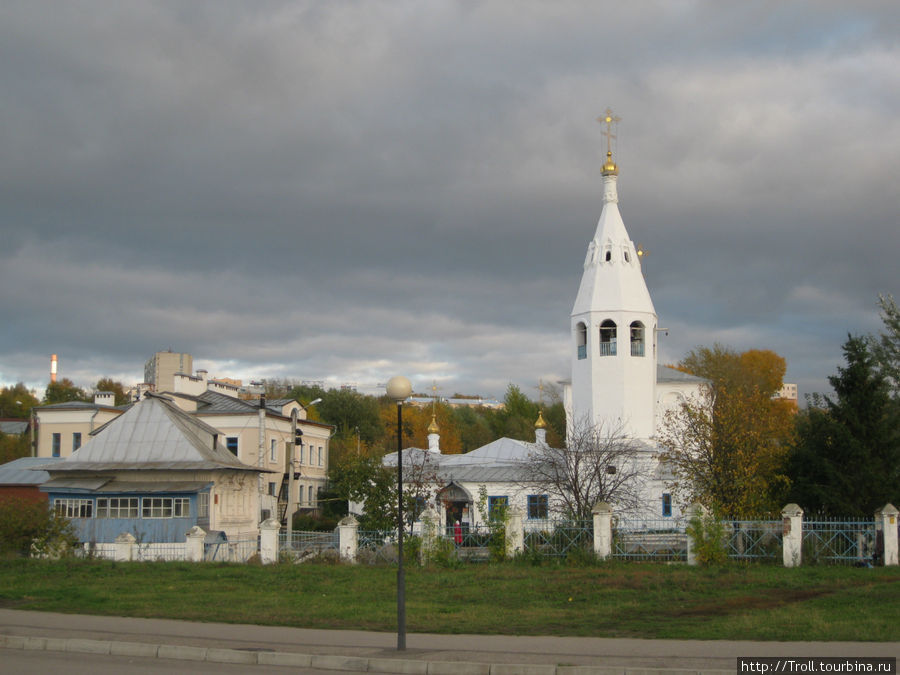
[[434, 436], [540, 429], [433, 427], [540, 424]]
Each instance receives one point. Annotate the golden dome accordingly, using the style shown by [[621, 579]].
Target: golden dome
[[433, 427], [540, 424], [610, 168]]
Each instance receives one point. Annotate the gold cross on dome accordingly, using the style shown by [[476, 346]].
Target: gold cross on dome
[[609, 119]]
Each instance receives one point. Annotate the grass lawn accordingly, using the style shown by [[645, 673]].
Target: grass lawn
[[756, 602]]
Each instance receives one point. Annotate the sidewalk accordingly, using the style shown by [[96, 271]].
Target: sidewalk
[[361, 651]]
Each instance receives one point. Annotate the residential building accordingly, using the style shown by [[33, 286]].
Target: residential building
[[160, 369], [154, 472]]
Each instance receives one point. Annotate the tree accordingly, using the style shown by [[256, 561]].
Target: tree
[[14, 446], [885, 347], [117, 388], [727, 449], [63, 391], [847, 458], [366, 480], [17, 401], [23, 521], [596, 464]]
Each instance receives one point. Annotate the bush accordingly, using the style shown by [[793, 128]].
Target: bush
[[313, 522], [707, 533], [28, 526]]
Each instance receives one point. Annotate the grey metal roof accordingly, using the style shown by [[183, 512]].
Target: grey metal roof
[[77, 483], [667, 374], [83, 405], [19, 471], [153, 434], [11, 427]]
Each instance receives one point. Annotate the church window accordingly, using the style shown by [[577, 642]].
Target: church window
[[608, 338], [667, 505], [497, 507], [538, 507], [627, 257], [637, 338], [581, 338], [608, 256]]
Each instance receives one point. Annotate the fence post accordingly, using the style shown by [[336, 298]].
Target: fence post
[[430, 523], [691, 512], [348, 538], [886, 517], [602, 513], [515, 533], [268, 541], [125, 547], [792, 535], [193, 545]]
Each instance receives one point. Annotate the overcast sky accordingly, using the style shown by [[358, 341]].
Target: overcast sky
[[345, 191]]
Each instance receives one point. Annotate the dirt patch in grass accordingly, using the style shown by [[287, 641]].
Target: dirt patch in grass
[[769, 599]]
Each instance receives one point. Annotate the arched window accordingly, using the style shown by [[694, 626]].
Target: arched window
[[581, 340], [608, 256], [608, 338], [637, 338]]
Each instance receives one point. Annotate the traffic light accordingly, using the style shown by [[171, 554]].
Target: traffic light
[[298, 436]]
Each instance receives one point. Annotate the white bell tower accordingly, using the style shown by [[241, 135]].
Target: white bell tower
[[613, 326]]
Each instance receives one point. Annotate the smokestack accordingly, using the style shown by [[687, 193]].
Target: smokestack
[[53, 367]]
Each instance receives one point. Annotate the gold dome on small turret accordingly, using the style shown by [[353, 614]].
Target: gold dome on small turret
[[433, 427], [540, 424], [610, 168]]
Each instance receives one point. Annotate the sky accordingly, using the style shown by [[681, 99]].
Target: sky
[[347, 191]]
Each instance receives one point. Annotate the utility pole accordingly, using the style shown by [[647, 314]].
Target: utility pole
[[296, 439], [261, 455]]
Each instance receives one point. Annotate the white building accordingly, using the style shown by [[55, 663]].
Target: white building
[[617, 387]]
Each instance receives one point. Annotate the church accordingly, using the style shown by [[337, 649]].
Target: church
[[617, 389]]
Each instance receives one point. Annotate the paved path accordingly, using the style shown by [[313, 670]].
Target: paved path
[[426, 653]]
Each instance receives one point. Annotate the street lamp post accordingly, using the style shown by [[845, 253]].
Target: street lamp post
[[399, 389], [296, 439]]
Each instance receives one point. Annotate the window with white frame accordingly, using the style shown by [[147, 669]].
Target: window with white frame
[[273, 451], [667, 505], [310, 496], [117, 507], [76, 441], [203, 505], [55, 441], [165, 507], [74, 508], [321, 455], [231, 442]]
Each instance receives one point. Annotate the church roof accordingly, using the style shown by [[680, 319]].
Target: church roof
[[153, 434], [669, 374]]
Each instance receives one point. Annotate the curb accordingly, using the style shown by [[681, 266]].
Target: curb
[[357, 664]]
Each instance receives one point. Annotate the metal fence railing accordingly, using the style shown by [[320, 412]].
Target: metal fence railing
[[662, 539], [239, 550], [377, 547], [308, 543], [758, 540], [560, 539], [845, 542]]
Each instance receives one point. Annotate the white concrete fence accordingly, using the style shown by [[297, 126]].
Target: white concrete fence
[[194, 548]]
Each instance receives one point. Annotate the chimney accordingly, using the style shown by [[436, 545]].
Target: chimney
[[53, 367], [104, 398]]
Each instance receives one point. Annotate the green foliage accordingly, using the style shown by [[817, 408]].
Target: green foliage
[[364, 479], [885, 347], [24, 522], [64, 391], [14, 446], [728, 450], [707, 533], [117, 388], [304, 521], [496, 520], [847, 459], [17, 401]]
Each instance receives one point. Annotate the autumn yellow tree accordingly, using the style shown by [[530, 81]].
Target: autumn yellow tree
[[727, 450]]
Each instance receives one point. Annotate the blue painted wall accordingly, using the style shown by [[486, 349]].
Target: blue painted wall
[[145, 530]]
